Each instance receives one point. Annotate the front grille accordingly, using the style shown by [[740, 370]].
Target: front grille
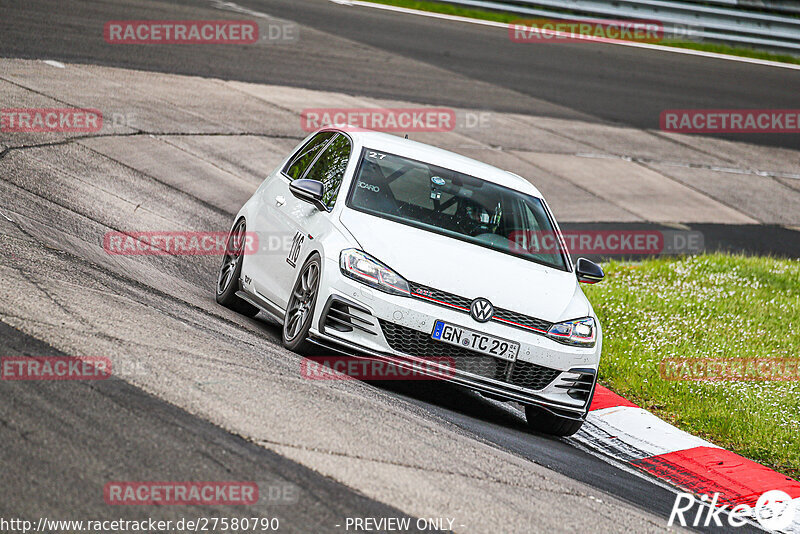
[[508, 317], [421, 345], [524, 320], [443, 297]]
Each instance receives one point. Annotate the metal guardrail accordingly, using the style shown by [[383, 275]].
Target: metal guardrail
[[691, 20], [774, 6]]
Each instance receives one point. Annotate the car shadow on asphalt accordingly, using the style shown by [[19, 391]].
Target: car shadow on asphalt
[[456, 399]]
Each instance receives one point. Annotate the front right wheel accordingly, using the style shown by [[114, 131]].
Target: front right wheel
[[300, 310], [547, 423]]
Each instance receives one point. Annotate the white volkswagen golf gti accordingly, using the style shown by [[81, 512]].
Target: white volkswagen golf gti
[[412, 254]]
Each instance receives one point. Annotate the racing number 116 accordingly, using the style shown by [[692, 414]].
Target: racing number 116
[[294, 252]]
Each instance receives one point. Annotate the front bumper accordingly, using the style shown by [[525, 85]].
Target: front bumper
[[353, 319]]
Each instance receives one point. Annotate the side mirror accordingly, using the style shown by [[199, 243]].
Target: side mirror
[[309, 191], [588, 272]]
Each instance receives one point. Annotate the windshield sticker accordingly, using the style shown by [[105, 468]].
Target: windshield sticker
[[369, 187]]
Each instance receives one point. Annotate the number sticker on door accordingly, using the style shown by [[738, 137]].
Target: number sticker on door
[[294, 252]]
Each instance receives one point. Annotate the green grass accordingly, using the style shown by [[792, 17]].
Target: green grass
[[733, 51], [450, 9], [710, 306], [497, 16]]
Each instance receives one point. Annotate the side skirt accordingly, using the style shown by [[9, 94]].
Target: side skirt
[[268, 307]]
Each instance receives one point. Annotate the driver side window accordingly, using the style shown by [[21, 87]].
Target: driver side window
[[298, 164], [330, 166]]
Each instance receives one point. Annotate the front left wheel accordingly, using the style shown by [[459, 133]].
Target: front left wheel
[[300, 310], [231, 271]]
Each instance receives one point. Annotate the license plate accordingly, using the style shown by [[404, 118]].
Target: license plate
[[470, 339]]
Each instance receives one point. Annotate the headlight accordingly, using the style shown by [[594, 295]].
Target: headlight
[[580, 332], [367, 270]]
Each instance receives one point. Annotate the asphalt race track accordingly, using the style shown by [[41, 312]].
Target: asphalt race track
[[205, 394], [374, 53], [115, 427]]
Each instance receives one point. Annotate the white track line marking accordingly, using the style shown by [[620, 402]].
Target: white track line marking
[[668, 163], [6, 217], [648, 46], [236, 8], [640, 429]]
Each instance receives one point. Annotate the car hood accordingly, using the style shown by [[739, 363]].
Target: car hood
[[469, 270]]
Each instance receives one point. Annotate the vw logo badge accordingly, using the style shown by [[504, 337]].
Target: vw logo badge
[[481, 310]]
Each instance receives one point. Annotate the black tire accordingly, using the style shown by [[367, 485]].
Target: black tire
[[231, 271], [547, 423], [300, 309]]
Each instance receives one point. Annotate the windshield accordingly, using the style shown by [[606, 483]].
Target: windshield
[[457, 205]]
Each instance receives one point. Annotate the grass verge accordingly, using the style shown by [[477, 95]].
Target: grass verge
[[700, 307], [497, 16]]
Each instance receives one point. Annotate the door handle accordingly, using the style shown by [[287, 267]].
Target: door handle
[[280, 200]]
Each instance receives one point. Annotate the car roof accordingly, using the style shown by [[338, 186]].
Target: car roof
[[437, 156]]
